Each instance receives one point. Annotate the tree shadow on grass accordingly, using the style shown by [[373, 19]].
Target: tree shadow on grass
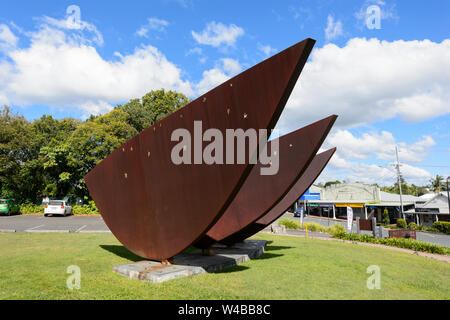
[[233, 269], [122, 252], [275, 248], [267, 255]]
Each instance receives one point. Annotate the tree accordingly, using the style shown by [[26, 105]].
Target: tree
[[16, 150], [437, 183], [50, 157], [329, 183], [151, 108]]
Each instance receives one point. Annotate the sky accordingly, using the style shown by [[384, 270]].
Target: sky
[[382, 66]]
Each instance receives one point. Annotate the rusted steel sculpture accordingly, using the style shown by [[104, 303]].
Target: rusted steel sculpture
[[157, 208], [260, 193], [302, 184]]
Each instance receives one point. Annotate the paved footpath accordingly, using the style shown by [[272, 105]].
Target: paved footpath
[[39, 223]]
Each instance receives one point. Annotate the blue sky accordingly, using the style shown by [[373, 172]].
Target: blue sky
[[389, 86]]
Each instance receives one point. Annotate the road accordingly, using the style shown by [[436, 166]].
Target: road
[[39, 223], [83, 224]]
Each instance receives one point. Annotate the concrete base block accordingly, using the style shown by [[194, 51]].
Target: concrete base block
[[193, 263]]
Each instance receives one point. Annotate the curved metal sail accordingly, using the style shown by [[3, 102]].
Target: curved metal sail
[[260, 193], [303, 183], [157, 208]]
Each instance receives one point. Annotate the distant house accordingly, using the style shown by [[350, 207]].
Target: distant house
[[430, 208]]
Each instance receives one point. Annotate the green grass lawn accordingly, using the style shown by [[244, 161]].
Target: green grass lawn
[[33, 266]]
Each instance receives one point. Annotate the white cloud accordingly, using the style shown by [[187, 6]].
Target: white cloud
[[381, 145], [371, 80], [352, 171], [231, 66], [216, 34], [355, 156], [57, 70], [223, 71], [152, 24], [8, 40], [267, 50], [333, 29], [74, 23]]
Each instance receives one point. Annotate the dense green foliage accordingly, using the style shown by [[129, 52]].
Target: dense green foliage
[[312, 226], [438, 183], [395, 242], [442, 226], [415, 226], [28, 208], [49, 157], [401, 223]]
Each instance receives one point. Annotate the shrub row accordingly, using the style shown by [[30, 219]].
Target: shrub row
[[395, 242], [312, 226], [28, 208], [89, 208], [442, 226]]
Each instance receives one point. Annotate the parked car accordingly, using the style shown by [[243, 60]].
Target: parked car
[[298, 212], [57, 207], [8, 207]]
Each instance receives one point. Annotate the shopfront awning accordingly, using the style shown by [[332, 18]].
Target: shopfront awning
[[353, 205]]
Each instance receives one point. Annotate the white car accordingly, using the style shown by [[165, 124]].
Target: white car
[[57, 207]]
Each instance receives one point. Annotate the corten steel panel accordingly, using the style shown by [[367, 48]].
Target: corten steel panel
[[156, 208], [365, 224], [306, 180], [260, 193]]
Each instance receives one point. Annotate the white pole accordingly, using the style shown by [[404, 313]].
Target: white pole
[[399, 183]]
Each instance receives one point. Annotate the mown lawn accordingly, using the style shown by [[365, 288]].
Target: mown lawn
[[33, 266]]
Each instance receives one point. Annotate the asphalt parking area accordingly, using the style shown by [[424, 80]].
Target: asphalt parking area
[[39, 223]]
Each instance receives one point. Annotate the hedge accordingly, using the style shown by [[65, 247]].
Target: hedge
[[28, 208], [312, 226], [395, 242], [442, 226], [87, 209]]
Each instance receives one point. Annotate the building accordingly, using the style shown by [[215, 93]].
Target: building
[[430, 208], [367, 201]]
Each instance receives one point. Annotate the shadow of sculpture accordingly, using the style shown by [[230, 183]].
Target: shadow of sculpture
[[122, 252]]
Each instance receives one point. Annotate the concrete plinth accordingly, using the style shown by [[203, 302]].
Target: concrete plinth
[[193, 263]]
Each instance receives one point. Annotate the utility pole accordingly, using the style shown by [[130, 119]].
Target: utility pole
[[448, 195], [397, 167]]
